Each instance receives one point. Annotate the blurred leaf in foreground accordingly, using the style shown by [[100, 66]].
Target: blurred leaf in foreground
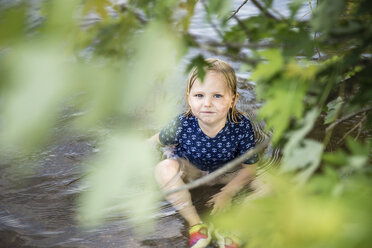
[[333, 110], [121, 179], [39, 79], [284, 101], [221, 8], [354, 161], [150, 63], [300, 154], [293, 216], [12, 24], [267, 69]]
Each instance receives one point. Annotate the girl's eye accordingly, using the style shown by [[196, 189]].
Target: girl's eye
[[217, 96], [198, 95]]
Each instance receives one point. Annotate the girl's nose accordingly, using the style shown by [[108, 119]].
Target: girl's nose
[[207, 101]]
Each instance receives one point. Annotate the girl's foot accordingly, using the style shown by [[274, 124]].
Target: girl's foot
[[227, 240], [200, 236]]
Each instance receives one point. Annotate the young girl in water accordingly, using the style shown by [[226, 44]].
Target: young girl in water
[[209, 134]]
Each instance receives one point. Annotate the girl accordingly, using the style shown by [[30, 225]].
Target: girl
[[209, 134]]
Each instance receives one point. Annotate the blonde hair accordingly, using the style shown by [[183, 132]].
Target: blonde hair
[[219, 66]]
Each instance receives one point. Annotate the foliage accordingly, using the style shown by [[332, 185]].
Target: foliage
[[322, 213], [307, 70], [51, 65]]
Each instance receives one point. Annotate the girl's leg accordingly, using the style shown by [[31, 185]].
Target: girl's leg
[[168, 175]]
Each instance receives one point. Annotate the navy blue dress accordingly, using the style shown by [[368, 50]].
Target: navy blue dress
[[206, 153]]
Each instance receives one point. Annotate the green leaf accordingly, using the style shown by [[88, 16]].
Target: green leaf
[[358, 148], [121, 179], [300, 153], [258, 27], [301, 156], [284, 101], [12, 24], [305, 157], [267, 69], [301, 69], [327, 14], [325, 183], [189, 6], [333, 110], [268, 3], [98, 6], [236, 34], [337, 158], [294, 6], [293, 217], [298, 135], [60, 17], [152, 63], [221, 8], [200, 63], [312, 154], [39, 79], [295, 40], [355, 161]]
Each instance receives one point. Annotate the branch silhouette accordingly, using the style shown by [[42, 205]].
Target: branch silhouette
[[232, 164], [237, 10]]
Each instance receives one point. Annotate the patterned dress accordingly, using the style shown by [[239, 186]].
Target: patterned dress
[[206, 153]]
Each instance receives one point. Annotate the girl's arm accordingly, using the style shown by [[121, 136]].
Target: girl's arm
[[244, 176], [154, 139], [222, 200]]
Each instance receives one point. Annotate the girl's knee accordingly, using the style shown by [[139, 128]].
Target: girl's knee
[[166, 170]]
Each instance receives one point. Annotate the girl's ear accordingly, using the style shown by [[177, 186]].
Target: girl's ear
[[235, 99]]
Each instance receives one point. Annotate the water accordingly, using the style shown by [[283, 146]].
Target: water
[[41, 211]]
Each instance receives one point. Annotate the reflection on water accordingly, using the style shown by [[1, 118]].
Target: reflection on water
[[41, 211]]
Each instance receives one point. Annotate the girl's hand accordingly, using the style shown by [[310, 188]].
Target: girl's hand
[[220, 201]]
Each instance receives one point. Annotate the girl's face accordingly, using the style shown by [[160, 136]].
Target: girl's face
[[211, 100]]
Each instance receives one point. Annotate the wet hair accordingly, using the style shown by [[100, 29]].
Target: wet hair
[[218, 66]]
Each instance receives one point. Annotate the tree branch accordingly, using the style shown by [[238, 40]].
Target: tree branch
[[237, 45], [359, 124], [237, 10], [210, 21], [347, 117], [236, 57], [232, 164], [263, 10], [212, 46], [126, 7]]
